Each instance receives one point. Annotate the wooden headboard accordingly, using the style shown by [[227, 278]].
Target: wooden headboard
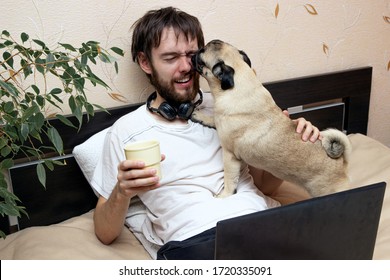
[[351, 87], [338, 99]]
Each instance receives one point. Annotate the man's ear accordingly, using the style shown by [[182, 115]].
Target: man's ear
[[245, 58], [144, 63], [225, 74]]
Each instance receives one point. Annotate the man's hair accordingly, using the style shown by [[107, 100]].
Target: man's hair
[[148, 29]]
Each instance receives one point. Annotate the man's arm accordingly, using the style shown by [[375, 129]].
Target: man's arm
[[283, 191], [110, 214]]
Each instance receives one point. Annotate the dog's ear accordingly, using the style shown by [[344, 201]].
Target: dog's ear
[[225, 74], [245, 58]]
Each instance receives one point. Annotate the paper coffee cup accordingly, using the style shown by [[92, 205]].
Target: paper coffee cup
[[147, 151]]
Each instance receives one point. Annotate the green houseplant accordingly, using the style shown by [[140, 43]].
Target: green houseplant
[[33, 78]]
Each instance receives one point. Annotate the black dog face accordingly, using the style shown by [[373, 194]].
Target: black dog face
[[219, 59]]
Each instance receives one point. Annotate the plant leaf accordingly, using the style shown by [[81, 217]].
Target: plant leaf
[[68, 47], [39, 64], [35, 88], [65, 121], [49, 164], [27, 70], [5, 33], [3, 142], [310, 9], [38, 121], [89, 108], [116, 67], [55, 91], [9, 197], [79, 115], [84, 59], [40, 100], [57, 98], [24, 131], [41, 172], [8, 59], [8, 107], [118, 51], [30, 111], [9, 209], [105, 58], [6, 163], [96, 80], [5, 151], [24, 37], [9, 88], [101, 108], [56, 139], [50, 60], [40, 43]]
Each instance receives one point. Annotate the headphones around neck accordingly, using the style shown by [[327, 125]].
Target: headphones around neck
[[183, 111]]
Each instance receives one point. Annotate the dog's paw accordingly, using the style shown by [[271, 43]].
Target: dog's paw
[[199, 117], [223, 194], [195, 117]]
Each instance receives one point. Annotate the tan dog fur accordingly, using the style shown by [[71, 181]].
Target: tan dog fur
[[253, 129]]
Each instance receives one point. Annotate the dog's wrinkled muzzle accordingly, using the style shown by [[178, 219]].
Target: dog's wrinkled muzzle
[[197, 63]]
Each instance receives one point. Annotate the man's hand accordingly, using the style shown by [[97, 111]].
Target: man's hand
[[133, 178], [306, 129]]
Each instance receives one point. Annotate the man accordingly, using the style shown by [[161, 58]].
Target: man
[[181, 206]]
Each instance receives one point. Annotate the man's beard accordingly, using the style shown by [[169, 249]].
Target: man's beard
[[167, 89]]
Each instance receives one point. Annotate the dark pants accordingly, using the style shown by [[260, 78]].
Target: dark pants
[[198, 247]]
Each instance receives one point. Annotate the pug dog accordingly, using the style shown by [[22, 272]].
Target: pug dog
[[254, 130]]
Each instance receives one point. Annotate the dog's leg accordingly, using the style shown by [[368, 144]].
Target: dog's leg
[[232, 167], [202, 118]]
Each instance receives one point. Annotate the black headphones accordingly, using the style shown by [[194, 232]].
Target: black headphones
[[183, 111]]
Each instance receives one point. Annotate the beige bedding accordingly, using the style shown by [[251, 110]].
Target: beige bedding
[[75, 238]]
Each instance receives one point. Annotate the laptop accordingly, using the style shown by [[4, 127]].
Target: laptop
[[339, 226]]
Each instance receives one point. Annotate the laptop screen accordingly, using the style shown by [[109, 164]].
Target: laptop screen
[[338, 226]]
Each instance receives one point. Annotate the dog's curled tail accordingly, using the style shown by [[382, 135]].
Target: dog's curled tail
[[336, 143]]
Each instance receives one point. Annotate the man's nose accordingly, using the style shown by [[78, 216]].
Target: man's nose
[[185, 63]]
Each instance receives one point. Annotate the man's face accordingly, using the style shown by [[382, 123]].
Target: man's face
[[171, 68]]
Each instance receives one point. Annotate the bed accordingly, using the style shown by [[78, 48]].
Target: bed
[[60, 223]]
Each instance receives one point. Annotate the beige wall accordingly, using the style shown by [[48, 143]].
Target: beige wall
[[284, 39]]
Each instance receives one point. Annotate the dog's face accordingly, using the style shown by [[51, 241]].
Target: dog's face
[[216, 63]]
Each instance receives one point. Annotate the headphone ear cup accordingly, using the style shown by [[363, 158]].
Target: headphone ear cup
[[167, 111], [185, 110]]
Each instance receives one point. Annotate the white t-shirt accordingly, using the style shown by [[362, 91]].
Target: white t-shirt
[[192, 174]]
